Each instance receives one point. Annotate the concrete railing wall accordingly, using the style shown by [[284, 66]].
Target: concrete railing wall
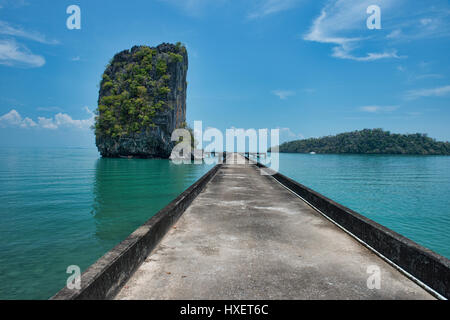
[[104, 278], [429, 267]]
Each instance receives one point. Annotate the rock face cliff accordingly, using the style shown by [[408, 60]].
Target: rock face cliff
[[142, 99]]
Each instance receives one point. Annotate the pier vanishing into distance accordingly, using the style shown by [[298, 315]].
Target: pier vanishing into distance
[[239, 234]]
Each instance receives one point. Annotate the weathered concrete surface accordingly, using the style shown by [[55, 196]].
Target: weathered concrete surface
[[247, 237]]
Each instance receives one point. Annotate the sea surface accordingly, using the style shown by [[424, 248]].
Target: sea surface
[[408, 194], [61, 207]]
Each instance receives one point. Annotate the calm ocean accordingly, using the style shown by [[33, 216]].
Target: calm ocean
[[61, 207], [408, 194]]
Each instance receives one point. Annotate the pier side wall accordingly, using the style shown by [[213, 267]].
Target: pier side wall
[[429, 267]]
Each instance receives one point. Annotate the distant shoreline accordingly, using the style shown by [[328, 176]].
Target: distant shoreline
[[369, 141], [365, 154]]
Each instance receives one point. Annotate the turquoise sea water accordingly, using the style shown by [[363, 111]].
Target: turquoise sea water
[[408, 194], [61, 207]]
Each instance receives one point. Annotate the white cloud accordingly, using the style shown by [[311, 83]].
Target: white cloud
[[397, 33], [378, 109], [344, 52], [433, 92], [28, 123], [14, 119], [340, 22], [14, 54], [418, 29], [426, 21], [7, 29], [47, 123], [286, 134], [268, 7], [283, 94], [423, 73], [64, 120], [290, 133]]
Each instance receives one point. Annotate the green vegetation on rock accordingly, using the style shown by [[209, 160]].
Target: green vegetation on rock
[[134, 89], [369, 141]]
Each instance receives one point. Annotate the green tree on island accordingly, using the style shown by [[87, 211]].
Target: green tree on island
[[369, 141]]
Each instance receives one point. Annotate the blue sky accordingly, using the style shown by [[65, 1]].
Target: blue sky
[[309, 67]]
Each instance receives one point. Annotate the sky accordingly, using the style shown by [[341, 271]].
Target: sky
[[310, 68]]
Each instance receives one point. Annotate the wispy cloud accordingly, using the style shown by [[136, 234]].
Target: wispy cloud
[[283, 94], [421, 73], [433, 92], [425, 23], [195, 7], [7, 29], [14, 54], [13, 3], [395, 34], [344, 52], [286, 134], [268, 7], [338, 24], [378, 109], [60, 120]]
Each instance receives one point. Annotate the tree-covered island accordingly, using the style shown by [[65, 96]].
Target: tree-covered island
[[369, 141]]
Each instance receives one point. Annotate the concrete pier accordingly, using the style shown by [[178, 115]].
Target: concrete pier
[[245, 236]]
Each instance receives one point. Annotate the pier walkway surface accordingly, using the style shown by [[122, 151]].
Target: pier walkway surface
[[247, 237]]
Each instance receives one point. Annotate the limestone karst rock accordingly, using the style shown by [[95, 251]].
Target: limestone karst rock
[[142, 99]]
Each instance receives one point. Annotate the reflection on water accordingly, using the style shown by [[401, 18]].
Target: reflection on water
[[127, 192]]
